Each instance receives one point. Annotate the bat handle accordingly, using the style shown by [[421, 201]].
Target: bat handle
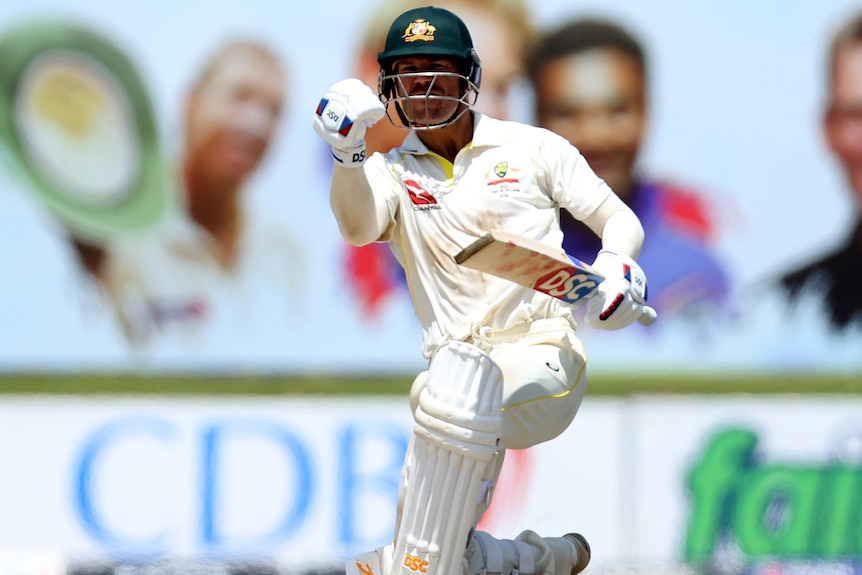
[[648, 316]]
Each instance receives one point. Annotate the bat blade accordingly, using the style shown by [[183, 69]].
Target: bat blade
[[531, 264]]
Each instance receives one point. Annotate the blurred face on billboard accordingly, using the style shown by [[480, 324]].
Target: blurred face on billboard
[[500, 49], [233, 113], [844, 113], [596, 99]]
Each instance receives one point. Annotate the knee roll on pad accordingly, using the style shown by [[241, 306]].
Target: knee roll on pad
[[456, 432]]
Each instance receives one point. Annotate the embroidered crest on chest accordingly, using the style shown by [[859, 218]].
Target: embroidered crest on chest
[[503, 179]]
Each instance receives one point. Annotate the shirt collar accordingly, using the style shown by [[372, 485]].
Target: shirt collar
[[413, 145], [484, 134]]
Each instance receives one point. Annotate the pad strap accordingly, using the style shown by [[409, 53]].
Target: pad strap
[[526, 560], [492, 554], [504, 556]]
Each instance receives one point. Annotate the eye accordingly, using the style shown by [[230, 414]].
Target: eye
[[444, 67]]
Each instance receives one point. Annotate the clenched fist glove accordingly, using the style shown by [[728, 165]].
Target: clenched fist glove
[[343, 115], [620, 299]]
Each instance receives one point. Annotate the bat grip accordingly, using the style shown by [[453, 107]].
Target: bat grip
[[648, 316]]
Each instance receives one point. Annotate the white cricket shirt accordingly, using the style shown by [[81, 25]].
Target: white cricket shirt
[[512, 177], [180, 305]]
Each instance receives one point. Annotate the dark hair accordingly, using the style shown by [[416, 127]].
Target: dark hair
[[582, 35]]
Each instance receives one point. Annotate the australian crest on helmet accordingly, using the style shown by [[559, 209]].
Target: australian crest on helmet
[[419, 29]]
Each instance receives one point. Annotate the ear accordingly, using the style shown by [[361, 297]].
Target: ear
[[828, 122], [366, 68]]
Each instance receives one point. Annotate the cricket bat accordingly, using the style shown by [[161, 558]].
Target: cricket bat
[[532, 264]]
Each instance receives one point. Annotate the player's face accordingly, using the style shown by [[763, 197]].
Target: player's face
[[434, 85], [844, 115], [232, 118], [596, 100]]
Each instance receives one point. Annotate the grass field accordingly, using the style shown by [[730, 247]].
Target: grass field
[[399, 384]]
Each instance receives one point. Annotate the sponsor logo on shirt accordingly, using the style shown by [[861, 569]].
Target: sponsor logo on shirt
[[421, 198], [168, 310]]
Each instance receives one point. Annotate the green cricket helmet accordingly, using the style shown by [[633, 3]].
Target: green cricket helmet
[[428, 31], [79, 130]]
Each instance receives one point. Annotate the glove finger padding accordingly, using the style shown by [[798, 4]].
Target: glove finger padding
[[345, 112], [613, 307], [620, 299]]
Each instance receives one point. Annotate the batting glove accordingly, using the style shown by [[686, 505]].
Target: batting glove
[[343, 115], [620, 299]]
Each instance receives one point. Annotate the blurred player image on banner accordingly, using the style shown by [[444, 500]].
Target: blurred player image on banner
[[503, 33], [834, 280], [81, 141], [222, 265], [590, 83], [506, 369], [173, 258]]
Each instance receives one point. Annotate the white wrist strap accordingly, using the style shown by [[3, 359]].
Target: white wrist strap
[[350, 157]]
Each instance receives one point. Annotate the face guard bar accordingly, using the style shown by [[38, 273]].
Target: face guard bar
[[392, 90]]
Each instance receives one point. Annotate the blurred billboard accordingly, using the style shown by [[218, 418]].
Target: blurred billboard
[[163, 198], [735, 485]]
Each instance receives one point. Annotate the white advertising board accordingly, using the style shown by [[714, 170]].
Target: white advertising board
[[651, 481]]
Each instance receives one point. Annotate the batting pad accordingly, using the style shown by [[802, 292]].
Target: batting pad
[[371, 563], [458, 425]]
